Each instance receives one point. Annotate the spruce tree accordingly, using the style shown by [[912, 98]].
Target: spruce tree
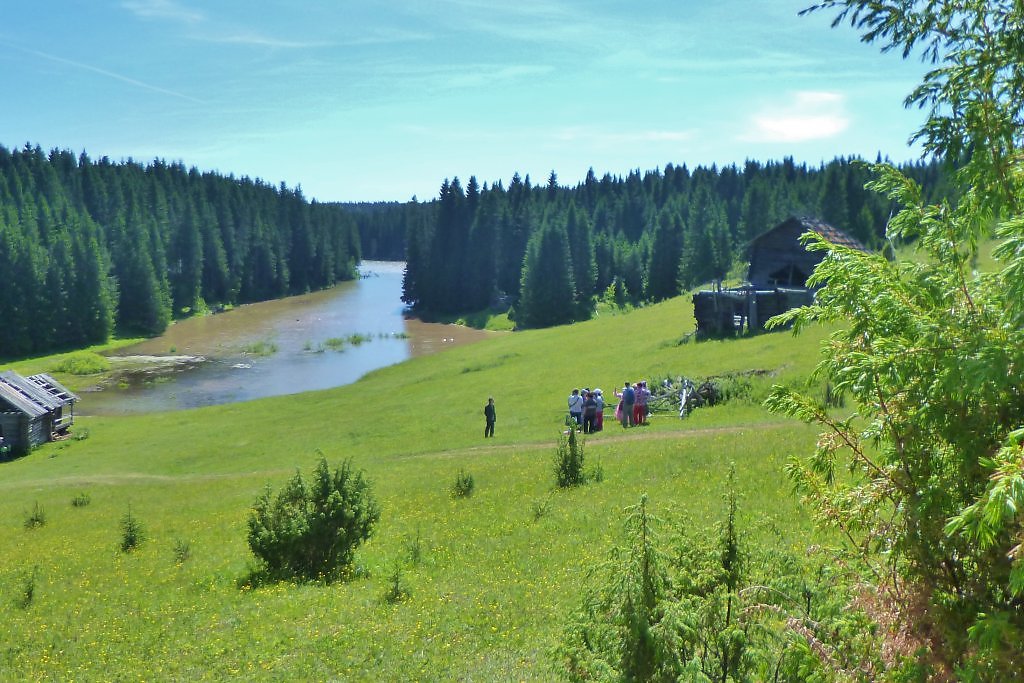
[[666, 252], [547, 291]]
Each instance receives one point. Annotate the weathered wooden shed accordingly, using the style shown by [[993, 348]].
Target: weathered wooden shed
[[33, 410], [776, 280], [777, 259]]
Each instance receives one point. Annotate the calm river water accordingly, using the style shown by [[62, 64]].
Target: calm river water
[[298, 328]]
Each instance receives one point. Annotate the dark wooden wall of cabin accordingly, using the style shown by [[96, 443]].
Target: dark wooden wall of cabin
[[777, 250]]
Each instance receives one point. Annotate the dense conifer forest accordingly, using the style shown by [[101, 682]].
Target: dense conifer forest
[[551, 250], [87, 247]]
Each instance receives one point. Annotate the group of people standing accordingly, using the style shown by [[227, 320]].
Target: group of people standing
[[586, 408], [632, 408]]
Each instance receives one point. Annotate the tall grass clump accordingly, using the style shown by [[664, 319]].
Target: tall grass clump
[[260, 348], [334, 344], [312, 531], [26, 593], [81, 363], [36, 518]]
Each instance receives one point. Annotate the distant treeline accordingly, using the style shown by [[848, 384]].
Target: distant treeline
[[550, 250], [90, 246]]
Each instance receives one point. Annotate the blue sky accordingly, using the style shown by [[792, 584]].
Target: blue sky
[[367, 100]]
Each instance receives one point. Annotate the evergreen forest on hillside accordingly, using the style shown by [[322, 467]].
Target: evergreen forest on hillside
[[550, 250], [87, 247]]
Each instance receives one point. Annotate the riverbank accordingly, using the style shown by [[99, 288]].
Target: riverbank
[[304, 343]]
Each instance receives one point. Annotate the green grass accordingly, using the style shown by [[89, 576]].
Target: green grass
[[494, 580], [82, 363], [260, 348], [56, 364]]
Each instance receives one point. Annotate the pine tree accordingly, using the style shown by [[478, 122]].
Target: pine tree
[[547, 291], [584, 268], [666, 252]]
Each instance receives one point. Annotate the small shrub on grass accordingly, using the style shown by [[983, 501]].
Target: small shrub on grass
[[27, 589], [81, 500], [312, 531], [541, 507], [414, 548], [182, 551], [463, 486], [81, 363], [569, 461], [80, 434], [397, 590], [132, 534], [36, 518]]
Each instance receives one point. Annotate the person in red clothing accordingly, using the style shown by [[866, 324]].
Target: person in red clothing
[[640, 406]]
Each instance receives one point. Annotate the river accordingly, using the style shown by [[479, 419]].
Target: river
[[272, 348]]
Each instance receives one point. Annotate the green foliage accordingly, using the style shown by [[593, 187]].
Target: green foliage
[[568, 463], [541, 507], [334, 344], [182, 551], [82, 363], [397, 590], [713, 607], [36, 518], [81, 500], [930, 352], [27, 587], [463, 485], [260, 348], [414, 548], [86, 247], [312, 531], [132, 532], [547, 290]]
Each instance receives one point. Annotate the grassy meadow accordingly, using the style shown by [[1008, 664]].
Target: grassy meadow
[[490, 578]]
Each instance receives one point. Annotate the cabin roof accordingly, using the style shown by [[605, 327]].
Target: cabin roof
[[832, 234], [17, 392], [53, 387]]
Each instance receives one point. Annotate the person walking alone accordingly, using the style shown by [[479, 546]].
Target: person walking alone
[[491, 418]]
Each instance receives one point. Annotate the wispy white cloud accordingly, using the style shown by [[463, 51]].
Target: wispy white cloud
[[808, 115], [256, 39], [109, 74], [163, 9], [599, 136]]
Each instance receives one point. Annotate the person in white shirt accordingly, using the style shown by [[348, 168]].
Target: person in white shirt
[[576, 406]]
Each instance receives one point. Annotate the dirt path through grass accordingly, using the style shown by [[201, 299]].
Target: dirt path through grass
[[612, 436]]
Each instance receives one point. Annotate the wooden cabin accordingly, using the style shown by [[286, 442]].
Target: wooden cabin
[[33, 410], [776, 280]]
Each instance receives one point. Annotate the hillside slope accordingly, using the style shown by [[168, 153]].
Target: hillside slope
[[489, 596]]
